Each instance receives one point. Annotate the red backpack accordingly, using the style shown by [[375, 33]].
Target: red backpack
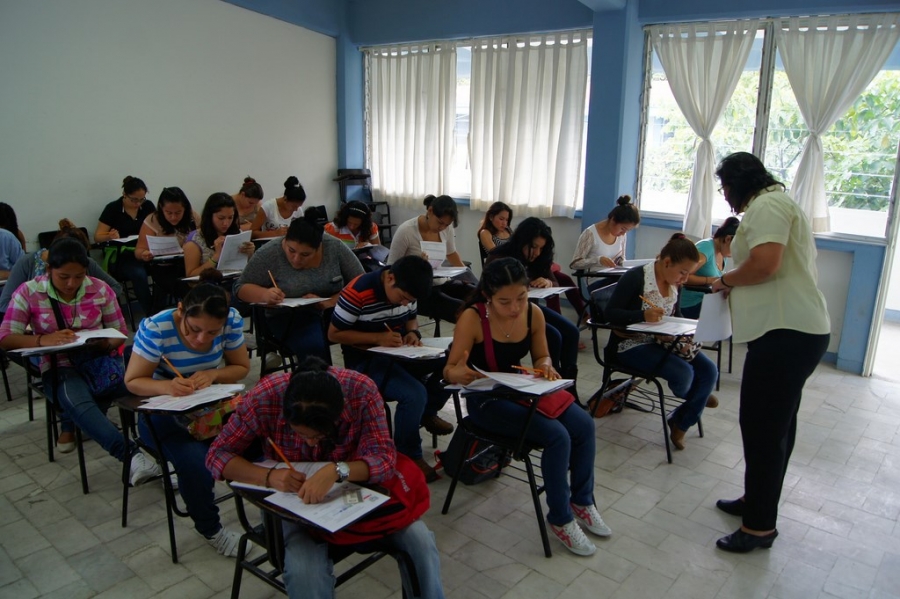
[[409, 499]]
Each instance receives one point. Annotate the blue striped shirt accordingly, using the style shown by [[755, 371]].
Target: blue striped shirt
[[157, 336]]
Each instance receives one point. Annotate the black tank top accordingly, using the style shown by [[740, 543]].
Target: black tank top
[[507, 354]]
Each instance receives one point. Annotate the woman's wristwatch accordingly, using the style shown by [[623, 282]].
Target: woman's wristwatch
[[724, 282], [343, 471]]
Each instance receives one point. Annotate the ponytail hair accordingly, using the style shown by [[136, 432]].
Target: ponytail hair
[[625, 213], [306, 230], [680, 249], [443, 206], [729, 227], [251, 188], [497, 274], [68, 229], [314, 398], [132, 184]]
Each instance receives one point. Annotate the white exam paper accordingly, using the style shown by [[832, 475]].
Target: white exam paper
[[196, 399], [231, 257], [436, 252], [715, 319], [409, 351], [343, 504], [669, 325], [81, 339], [293, 302], [538, 293], [163, 246]]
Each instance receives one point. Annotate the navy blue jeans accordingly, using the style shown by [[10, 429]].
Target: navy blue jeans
[[568, 443], [562, 339], [195, 483], [691, 381]]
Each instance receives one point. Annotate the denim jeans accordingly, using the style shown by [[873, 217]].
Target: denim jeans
[[195, 483], [691, 381], [300, 330], [309, 573], [414, 398], [88, 412], [568, 443], [566, 332]]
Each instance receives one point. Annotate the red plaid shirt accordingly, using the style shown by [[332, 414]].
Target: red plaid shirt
[[362, 431]]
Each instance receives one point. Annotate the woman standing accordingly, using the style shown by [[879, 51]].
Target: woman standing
[[779, 311], [204, 245], [204, 340], [603, 244], [646, 294], [516, 327], [713, 253], [247, 201], [305, 263], [123, 218], [276, 215]]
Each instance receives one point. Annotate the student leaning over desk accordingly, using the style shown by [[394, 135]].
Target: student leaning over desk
[[320, 414], [196, 338], [174, 217], [275, 216]]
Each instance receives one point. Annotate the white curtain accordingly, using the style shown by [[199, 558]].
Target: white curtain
[[829, 61], [526, 122], [703, 63], [411, 107]]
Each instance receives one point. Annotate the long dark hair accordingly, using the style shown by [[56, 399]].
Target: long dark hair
[[359, 210], [66, 250], [745, 175], [495, 209], [174, 195], [214, 203], [8, 219], [528, 230], [443, 206], [306, 230], [496, 275], [314, 398]]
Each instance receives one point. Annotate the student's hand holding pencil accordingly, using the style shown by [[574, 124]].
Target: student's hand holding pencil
[[180, 386], [654, 313], [389, 338]]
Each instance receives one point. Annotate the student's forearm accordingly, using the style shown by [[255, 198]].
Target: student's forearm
[[252, 293], [351, 337], [230, 374], [146, 386]]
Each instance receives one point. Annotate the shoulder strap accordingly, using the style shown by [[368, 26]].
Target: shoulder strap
[[60, 321], [531, 309], [488, 340]]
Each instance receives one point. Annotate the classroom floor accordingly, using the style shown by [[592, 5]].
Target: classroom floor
[[839, 535]]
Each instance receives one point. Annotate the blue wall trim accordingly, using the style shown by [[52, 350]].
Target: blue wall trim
[[667, 11], [321, 16]]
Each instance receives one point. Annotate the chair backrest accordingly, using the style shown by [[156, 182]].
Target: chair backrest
[[481, 250], [46, 238], [599, 301]]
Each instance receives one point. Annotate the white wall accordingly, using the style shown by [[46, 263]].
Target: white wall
[[193, 93]]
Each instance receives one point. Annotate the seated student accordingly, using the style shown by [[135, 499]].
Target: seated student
[[34, 264], [196, 338], [447, 294], [320, 414], [85, 304], [602, 245], [123, 218], [203, 246], [532, 245], [10, 222], [10, 252], [379, 308], [713, 253], [247, 201], [517, 329], [275, 215], [305, 263], [646, 294], [353, 225], [174, 217], [495, 229]]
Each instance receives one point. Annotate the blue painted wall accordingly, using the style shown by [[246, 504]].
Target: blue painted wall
[[616, 83]]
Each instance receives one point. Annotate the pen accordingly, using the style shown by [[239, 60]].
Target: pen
[[652, 305], [280, 454], [271, 276]]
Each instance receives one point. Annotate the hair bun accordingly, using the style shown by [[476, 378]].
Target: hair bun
[[623, 200], [678, 235], [65, 223], [428, 200], [127, 179], [248, 180], [291, 181]]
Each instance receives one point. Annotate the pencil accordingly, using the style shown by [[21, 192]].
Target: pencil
[[529, 370], [652, 305], [388, 327], [280, 454], [271, 276], [172, 366]]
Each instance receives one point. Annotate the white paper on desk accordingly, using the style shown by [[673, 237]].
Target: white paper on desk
[[343, 504], [526, 383], [293, 302], [125, 240], [81, 339], [624, 267], [225, 275], [307, 468], [448, 271], [436, 252], [196, 399], [539, 293], [441, 342], [715, 319], [414, 352], [163, 246], [231, 257], [669, 325]]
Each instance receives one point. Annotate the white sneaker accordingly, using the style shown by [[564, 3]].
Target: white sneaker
[[590, 518], [574, 538], [226, 542], [142, 469]]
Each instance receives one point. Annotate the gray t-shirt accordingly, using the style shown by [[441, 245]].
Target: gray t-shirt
[[339, 266]]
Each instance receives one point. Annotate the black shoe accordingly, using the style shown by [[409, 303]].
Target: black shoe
[[743, 542], [734, 507]]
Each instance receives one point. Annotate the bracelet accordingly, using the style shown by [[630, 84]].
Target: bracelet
[[269, 473], [416, 333], [722, 278], [214, 262]]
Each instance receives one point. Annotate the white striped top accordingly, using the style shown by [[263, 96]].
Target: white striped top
[[157, 336]]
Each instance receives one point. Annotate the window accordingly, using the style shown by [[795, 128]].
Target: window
[[860, 148]]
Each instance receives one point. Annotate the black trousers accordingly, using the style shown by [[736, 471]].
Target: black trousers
[[775, 370]]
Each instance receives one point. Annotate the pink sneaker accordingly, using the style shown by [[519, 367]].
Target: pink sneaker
[[590, 518], [574, 538]]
